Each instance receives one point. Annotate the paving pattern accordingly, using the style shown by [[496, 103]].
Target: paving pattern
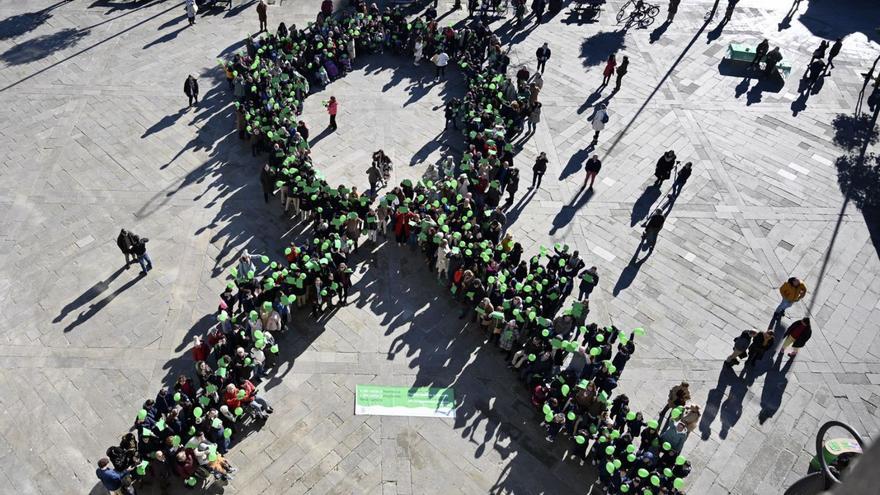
[[93, 137]]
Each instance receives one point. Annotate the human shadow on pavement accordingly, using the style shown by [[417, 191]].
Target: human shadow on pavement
[[643, 204], [19, 24], [97, 307], [657, 33], [730, 409], [775, 383], [90, 293], [566, 213]]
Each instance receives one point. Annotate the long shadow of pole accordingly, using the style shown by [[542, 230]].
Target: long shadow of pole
[[709, 16]]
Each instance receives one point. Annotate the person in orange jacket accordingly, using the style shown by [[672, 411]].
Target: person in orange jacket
[[792, 291]]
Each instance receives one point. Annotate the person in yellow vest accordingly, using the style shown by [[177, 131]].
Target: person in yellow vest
[[792, 291]]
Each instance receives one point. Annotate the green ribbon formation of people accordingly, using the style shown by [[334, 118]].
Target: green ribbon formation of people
[[276, 71]]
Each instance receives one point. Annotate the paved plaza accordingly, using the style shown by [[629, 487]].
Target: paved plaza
[[95, 136]]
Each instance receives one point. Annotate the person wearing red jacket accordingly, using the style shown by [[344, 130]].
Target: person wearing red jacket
[[185, 464], [246, 395]]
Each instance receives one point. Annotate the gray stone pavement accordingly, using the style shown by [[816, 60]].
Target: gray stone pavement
[[93, 138]]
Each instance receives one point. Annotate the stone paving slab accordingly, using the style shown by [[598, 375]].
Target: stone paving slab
[[93, 138]]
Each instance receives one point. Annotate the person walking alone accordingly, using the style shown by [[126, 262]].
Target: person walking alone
[[191, 10], [124, 241], [262, 9], [621, 71], [599, 119], [191, 90], [796, 336], [792, 291], [538, 170], [543, 55], [591, 170], [332, 108]]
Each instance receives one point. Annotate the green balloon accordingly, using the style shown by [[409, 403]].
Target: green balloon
[[239, 411], [643, 473], [676, 413], [630, 416], [655, 480], [197, 412], [142, 414], [191, 481], [680, 460], [532, 357], [609, 450], [571, 416], [580, 439], [609, 466], [565, 390], [678, 483], [227, 433]]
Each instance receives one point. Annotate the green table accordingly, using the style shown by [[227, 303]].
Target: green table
[[741, 52]]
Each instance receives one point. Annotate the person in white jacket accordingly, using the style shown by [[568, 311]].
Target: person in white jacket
[[191, 10], [599, 119]]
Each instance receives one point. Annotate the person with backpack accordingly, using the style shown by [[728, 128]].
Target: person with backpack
[[599, 119]]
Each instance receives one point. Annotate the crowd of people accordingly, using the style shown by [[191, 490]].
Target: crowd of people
[[456, 220]]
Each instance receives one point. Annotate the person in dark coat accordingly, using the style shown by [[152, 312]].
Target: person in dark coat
[[835, 49], [796, 336], [538, 7], [761, 343], [139, 248], [740, 346], [663, 169], [266, 182], [543, 55], [760, 52], [191, 89], [538, 170], [653, 227], [591, 170], [124, 241]]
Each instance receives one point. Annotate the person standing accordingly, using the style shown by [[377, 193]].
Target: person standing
[[621, 71], [760, 52], [111, 479], [591, 170], [332, 108], [773, 57], [740, 346], [191, 89], [796, 336], [663, 169], [262, 9], [441, 60], [673, 9], [124, 241], [835, 49], [418, 48], [610, 64], [535, 117], [538, 170], [589, 281], [191, 10], [374, 175], [543, 55], [266, 182], [679, 395], [792, 291], [599, 119], [139, 248], [512, 185]]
